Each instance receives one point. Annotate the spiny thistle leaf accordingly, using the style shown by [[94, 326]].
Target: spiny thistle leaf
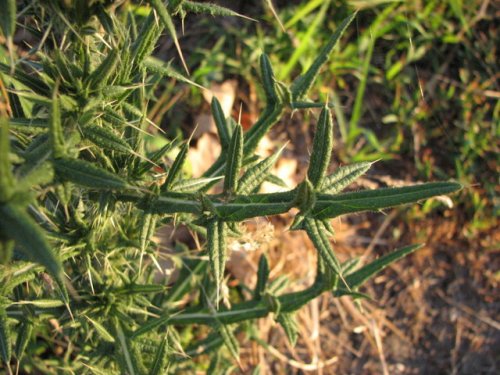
[[234, 160], [84, 173], [6, 177], [100, 76], [211, 9], [23, 338], [359, 277], [322, 148], [176, 168], [316, 233], [161, 358], [154, 65], [262, 277], [106, 138], [56, 131], [330, 206], [144, 44], [289, 324], [223, 126], [303, 83], [257, 174], [165, 18], [20, 227], [229, 341], [5, 337], [343, 177], [216, 245], [268, 79]]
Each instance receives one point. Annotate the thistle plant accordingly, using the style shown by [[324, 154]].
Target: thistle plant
[[81, 198]]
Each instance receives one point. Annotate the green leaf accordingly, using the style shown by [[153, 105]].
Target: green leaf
[[223, 127], [343, 176], [101, 331], [157, 66], [56, 130], [129, 362], [229, 340], [359, 277], [289, 324], [258, 173], [176, 168], [151, 325], [330, 206], [322, 148], [84, 173], [161, 358], [5, 339], [317, 233], [268, 80], [211, 9], [19, 226], [146, 40], [165, 18], [217, 252], [6, 176], [106, 138], [23, 338], [194, 185], [303, 83], [100, 76], [262, 277], [234, 160]]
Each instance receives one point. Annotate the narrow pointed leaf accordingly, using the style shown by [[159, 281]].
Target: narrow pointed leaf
[[343, 176], [106, 138], [5, 339], [216, 244], [176, 168], [147, 37], [322, 148], [23, 338], [223, 128], [234, 160], [330, 206], [165, 18], [289, 324], [316, 233], [229, 341], [359, 277], [56, 130], [268, 79], [100, 76], [155, 65], [210, 8], [8, 19], [304, 82], [161, 358], [20, 227], [262, 277], [84, 173], [6, 176], [257, 174]]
